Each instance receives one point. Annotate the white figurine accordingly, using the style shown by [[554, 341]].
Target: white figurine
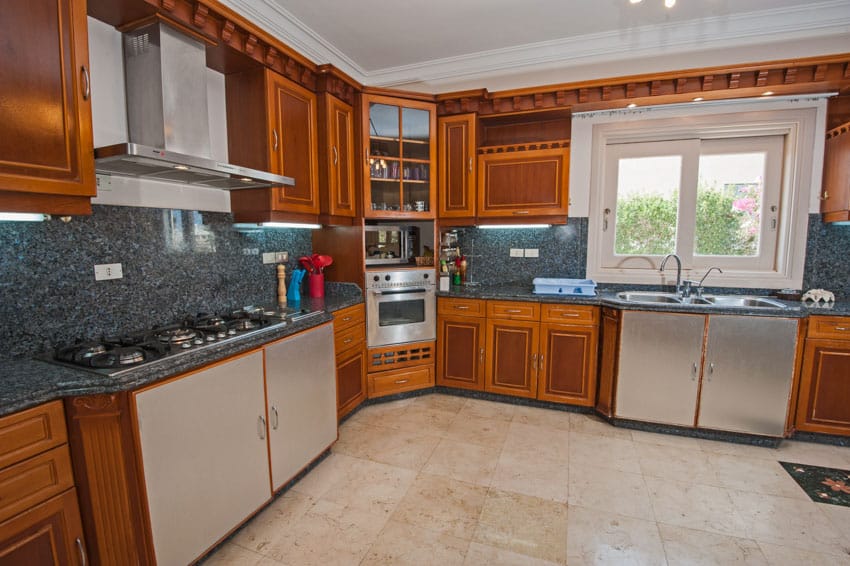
[[818, 295]]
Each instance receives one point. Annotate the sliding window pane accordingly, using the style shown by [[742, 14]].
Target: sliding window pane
[[647, 205]]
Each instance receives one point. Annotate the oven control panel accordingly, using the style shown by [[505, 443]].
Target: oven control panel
[[421, 278]]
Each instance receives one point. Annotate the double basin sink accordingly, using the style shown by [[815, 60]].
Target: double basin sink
[[723, 301]]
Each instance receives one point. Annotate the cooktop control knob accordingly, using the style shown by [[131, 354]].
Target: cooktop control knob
[[424, 276], [386, 277], [376, 278]]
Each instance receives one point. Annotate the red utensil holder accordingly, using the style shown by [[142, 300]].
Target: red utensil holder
[[316, 285]]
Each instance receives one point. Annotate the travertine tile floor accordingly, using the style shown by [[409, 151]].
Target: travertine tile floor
[[447, 480]]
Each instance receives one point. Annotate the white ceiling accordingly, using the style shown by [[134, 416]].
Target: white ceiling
[[447, 45]]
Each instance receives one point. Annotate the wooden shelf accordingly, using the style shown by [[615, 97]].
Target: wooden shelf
[[523, 147]]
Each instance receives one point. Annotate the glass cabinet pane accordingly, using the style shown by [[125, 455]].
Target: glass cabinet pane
[[416, 133], [384, 130]]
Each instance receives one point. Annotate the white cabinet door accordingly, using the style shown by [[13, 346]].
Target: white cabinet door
[[658, 378], [749, 365], [205, 455], [301, 387]]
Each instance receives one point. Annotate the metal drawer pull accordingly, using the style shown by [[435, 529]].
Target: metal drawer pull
[[347, 340], [83, 559], [694, 372], [534, 361], [462, 307], [842, 328], [346, 318], [513, 311], [401, 381], [261, 427], [569, 314], [520, 212], [336, 154], [481, 355], [274, 133], [276, 419], [539, 362], [86, 82]]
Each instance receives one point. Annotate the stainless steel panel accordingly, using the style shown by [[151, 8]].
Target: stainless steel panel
[[378, 335], [657, 379], [749, 365]]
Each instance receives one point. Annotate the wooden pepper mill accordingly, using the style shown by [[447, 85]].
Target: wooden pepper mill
[[281, 285]]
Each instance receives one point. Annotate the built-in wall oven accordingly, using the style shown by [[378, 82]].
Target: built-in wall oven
[[400, 307]]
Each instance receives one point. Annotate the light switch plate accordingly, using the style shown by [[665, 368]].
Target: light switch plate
[[269, 257], [532, 252], [516, 252], [106, 271]]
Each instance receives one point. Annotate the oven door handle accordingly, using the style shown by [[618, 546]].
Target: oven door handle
[[400, 291]]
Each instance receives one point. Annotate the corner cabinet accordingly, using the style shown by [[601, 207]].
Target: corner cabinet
[[824, 402], [46, 151], [399, 157], [835, 197], [456, 166], [272, 126]]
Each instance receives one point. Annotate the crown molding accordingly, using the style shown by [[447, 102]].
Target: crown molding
[[806, 21]]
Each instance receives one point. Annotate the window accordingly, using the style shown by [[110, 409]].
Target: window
[[718, 191]]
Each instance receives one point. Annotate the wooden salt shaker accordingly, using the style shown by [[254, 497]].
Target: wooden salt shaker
[[281, 285]]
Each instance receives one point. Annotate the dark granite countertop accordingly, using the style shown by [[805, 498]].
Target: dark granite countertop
[[518, 292], [28, 382]]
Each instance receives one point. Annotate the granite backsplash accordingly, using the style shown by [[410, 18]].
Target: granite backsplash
[[175, 263], [563, 254]]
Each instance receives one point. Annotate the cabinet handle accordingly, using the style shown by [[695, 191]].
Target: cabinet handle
[[83, 559], [274, 133], [276, 420], [520, 212], [540, 362], [347, 340], [462, 307], [261, 427], [825, 195], [605, 219], [346, 318], [513, 311], [534, 362], [710, 370], [336, 154], [470, 165], [842, 328], [401, 381], [694, 371], [481, 355], [568, 314], [86, 82], [366, 154]]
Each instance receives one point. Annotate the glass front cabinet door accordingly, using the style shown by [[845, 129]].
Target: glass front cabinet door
[[400, 150]]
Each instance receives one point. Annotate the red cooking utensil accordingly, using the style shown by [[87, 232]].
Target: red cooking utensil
[[307, 263]]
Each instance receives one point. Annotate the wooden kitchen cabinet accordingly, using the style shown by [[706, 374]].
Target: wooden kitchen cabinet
[[337, 194], [272, 126], [568, 354], [456, 166], [513, 330], [835, 196], [39, 515], [609, 361], [46, 151], [461, 351], [824, 401], [350, 347], [400, 157]]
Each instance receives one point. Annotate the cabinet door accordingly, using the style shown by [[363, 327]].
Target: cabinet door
[[350, 380], [46, 146], [460, 352], [658, 367], [824, 404], [456, 166], [301, 386], [511, 364], [337, 158], [567, 364], [293, 145], [835, 196], [749, 365], [45, 535], [204, 455], [523, 183]]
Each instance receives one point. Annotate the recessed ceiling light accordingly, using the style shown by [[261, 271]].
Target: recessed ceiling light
[[698, 99], [181, 167], [669, 3], [767, 93], [634, 1], [632, 105]]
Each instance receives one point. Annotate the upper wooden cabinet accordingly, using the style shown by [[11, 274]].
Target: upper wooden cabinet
[[523, 184], [835, 197], [272, 125], [336, 158], [456, 166], [46, 150], [399, 158]]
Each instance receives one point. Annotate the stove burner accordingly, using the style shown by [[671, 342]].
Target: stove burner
[[207, 323], [244, 324], [81, 353], [175, 335], [129, 356]]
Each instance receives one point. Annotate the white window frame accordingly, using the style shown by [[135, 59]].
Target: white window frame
[[796, 126]]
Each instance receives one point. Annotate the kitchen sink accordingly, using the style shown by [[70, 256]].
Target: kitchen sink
[[649, 297], [738, 301], [726, 301]]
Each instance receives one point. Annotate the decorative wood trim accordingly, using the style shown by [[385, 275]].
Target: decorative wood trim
[[199, 18], [531, 146], [838, 130]]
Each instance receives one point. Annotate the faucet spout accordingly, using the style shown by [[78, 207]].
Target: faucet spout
[[678, 270]]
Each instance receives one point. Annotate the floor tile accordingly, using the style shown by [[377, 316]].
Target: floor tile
[[523, 524], [451, 403], [531, 441], [603, 489], [598, 537], [481, 554], [400, 543], [371, 487], [735, 449], [488, 410], [666, 439], [675, 463], [260, 531], [780, 555], [463, 461], [417, 418], [386, 445], [323, 477], [755, 475], [542, 417], [814, 454], [541, 477], [695, 506], [442, 505], [689, 547], [603, 452], [592, 424], [478, 430], [229, 554], [380, 414]]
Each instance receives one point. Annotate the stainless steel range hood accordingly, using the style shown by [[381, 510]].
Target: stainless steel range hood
[[165, 75]]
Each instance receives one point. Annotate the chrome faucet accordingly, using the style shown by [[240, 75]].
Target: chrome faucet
[[699, 285], [678, 270]]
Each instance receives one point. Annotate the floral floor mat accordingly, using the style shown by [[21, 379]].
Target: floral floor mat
[[824, 485]]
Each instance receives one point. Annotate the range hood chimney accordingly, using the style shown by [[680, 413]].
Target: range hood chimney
[[165, 76]]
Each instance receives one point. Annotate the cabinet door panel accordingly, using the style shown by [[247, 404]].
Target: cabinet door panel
[[47, 534], [835, 201], [658, 376], [825, 387], [460, 352], [568, 364], [46, 146], [204, 455], [524, 183], [351, 380], [456, 166], [749, 364], [510, 368]]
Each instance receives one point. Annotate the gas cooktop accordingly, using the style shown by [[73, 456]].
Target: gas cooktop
[[113, 355]]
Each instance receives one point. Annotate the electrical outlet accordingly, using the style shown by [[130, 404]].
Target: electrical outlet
[[282, 257], [532, 252], [106, 271], [516, 252], [269, 257]]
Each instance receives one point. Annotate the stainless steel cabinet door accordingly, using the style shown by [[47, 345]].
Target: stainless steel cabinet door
[[660, 356], [749, 364]]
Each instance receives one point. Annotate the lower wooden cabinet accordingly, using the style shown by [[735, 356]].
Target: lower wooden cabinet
[[48, 534], [511, 364], [400, 380], [460, 351], [350, 347], [824, 402], [567, 357]]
